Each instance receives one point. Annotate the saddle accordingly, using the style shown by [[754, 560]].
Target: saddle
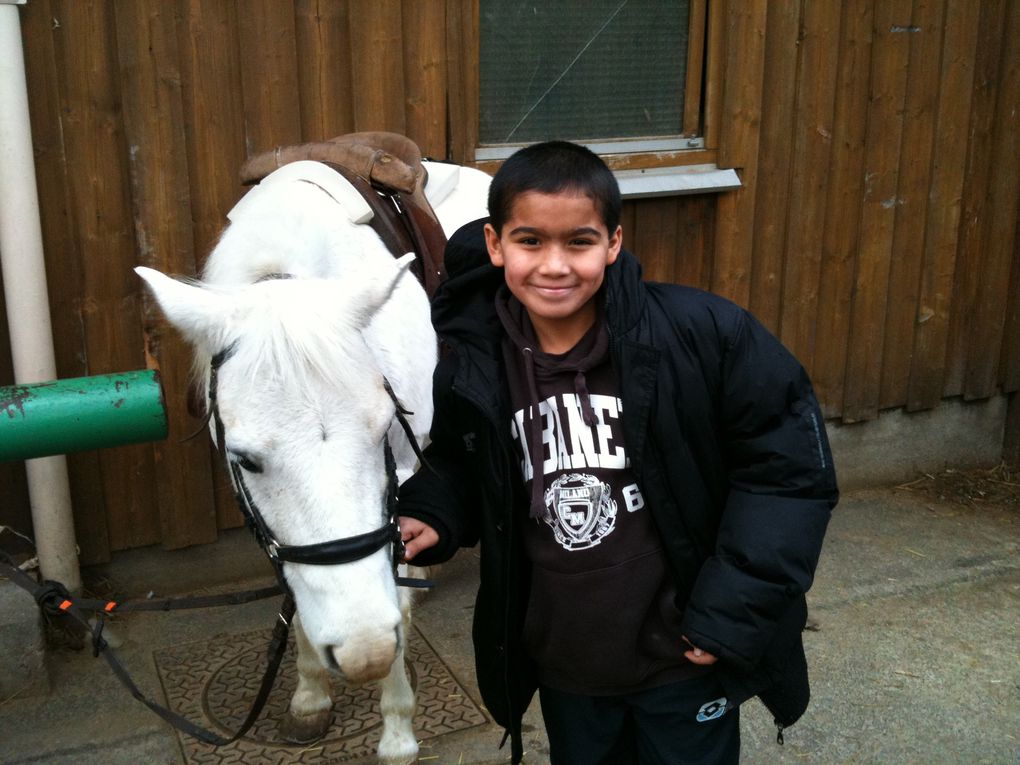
[[387, 171]]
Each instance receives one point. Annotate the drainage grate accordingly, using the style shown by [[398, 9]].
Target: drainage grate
[[214, 682]]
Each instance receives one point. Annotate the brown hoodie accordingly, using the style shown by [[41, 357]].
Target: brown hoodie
[[601, 614]]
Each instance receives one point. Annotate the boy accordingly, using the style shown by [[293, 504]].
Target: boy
[[644, 466]]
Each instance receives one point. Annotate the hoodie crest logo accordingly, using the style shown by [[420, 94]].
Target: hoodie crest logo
[[580, 510]]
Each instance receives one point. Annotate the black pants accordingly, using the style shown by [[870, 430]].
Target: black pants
[[684, 723]]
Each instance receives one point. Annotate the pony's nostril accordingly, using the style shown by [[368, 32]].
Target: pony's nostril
[[330, 660]]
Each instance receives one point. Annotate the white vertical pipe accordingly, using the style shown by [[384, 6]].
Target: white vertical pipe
[[28, 309]]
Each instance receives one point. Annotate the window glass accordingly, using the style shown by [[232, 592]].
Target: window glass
[[597, 70]]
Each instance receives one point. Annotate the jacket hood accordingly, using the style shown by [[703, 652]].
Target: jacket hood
[[463, 307], [625, 294]]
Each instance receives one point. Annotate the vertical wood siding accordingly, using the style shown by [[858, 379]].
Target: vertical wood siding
[[883, 240], [875, 232]]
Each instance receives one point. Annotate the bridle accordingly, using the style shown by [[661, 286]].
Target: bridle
[[335, 551]]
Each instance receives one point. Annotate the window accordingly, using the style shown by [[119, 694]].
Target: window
[[621, 76]]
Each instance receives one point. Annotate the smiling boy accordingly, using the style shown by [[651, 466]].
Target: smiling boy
[[553, 250], [645, 469]]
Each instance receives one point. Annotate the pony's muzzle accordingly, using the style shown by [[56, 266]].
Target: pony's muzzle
[[364, 658]]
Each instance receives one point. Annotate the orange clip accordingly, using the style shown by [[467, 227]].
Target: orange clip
[[110, 606], [66, 605]]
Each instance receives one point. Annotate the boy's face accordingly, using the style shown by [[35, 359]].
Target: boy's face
[[554, 250]]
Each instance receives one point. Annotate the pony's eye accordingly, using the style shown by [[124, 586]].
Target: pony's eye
[[246, 462]]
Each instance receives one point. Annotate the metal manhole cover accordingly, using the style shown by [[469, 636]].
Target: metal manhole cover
[[213, 683]]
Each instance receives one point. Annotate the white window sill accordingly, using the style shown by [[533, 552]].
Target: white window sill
[[673, 181]]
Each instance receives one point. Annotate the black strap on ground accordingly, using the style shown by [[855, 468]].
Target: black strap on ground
[[277, 647], [173, 604], [54, 599]]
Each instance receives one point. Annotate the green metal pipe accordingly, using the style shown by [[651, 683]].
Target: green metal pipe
[[82, 413]]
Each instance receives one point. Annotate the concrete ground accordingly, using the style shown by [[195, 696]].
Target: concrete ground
[[914, 651]]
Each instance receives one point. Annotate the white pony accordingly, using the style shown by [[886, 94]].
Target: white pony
[[305, 411]]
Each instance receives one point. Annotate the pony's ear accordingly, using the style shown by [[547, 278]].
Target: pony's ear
[[199, 314], [378, 287]]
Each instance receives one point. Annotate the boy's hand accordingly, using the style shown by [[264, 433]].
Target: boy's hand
[[697, 656], [417, 536]]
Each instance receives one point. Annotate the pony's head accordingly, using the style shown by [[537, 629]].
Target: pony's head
[[305, 412]]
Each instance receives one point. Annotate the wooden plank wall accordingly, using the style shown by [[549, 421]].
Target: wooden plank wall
[[882, 166], [875, 232]]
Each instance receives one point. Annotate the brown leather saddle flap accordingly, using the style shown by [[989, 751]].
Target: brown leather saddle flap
[[383, 167]]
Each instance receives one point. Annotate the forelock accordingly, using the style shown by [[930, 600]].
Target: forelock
[[299, 337]]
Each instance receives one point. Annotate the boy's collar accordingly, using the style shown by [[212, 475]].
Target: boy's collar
[[521, 332]]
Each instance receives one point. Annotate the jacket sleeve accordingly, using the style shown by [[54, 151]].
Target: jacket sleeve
[[442, 492], [782, 488]]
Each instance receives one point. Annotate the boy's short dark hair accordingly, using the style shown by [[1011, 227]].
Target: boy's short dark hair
[[551, 168]]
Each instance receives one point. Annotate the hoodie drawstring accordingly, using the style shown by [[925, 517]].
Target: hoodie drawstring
[[587, 410], [537, 509]]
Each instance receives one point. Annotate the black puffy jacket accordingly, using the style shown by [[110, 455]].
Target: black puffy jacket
[[727, 443]]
